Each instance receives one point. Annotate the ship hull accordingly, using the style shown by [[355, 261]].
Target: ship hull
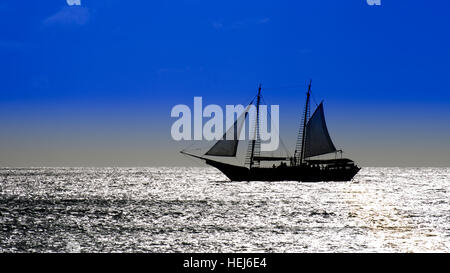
[[287, 173]]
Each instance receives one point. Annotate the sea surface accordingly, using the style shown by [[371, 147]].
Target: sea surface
[[199, 210]]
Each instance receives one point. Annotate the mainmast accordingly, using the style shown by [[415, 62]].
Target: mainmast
[[305, 121], [258, 100]]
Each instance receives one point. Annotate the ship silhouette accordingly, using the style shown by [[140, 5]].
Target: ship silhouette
[[313, 140]]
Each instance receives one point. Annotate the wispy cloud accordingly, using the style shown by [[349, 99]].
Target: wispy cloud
[[239, 24], [169, 70], [11, 44], [73, 2], [217, 25], [70, 15], [264, 21], [304, 51]]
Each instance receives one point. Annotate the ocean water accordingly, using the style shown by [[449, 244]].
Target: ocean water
[[199, 210]]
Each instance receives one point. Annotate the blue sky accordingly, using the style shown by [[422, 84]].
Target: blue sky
[[93, 85]]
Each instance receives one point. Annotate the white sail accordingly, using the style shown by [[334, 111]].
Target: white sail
[[318, 139]]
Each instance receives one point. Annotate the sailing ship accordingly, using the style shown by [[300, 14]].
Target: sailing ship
[[313, 140]]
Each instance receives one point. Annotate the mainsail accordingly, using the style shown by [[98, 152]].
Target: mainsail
[[318, 139], [228, 147]]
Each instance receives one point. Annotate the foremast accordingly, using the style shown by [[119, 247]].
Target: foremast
[[299, 153], [254, 145]]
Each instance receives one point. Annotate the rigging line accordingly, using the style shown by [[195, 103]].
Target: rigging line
[[314, 99], [281, 140], [196, 160], [251, 101], [282, 87]]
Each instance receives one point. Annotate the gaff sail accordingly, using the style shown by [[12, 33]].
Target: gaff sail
[[318, 141], [228, 147]]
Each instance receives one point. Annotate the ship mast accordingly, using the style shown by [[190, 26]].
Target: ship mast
[[305, 120], [258, 100]]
